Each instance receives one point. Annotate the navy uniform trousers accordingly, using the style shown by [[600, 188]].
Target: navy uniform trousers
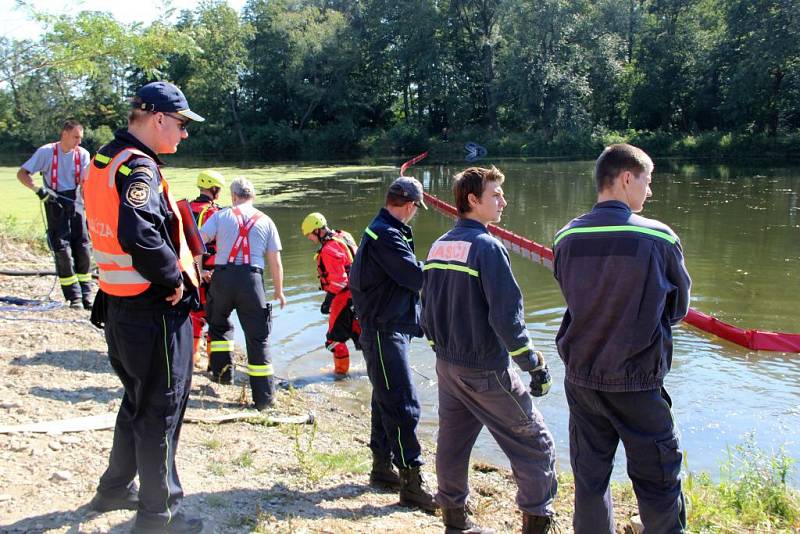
[[470, 399], [395, 407], [151, 352], [643, 421], [69, 241], [241, 288]]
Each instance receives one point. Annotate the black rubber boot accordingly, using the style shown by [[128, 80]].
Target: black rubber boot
[[384, 475], [263, 389], [458, 521], [129, 500], [537, 524], [414, 493]]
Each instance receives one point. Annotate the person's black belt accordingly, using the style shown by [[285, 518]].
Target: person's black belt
[[253, 268]]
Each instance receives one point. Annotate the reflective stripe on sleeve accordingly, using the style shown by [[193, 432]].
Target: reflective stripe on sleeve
[[372, 234]]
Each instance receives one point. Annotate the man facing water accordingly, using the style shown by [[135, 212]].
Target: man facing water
[[625, 284], [473, 316], [385, 279]]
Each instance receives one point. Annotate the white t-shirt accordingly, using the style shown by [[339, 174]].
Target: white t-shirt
[[42, 161], [224, 227]]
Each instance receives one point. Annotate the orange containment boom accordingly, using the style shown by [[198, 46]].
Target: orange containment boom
[[752, 339]]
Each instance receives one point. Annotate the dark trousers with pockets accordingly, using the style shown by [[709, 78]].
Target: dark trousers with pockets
[[241, 288], [69, 241], [151, 352], [643, 421], [395, 407], [470, 399]]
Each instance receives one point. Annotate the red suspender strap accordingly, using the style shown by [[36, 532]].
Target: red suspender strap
[[54, 168], [242, 242], [77, 166]]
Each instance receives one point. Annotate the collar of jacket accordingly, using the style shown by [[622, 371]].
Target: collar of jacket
[[393, 221], [131, 140], [464, 222], [613, 204]]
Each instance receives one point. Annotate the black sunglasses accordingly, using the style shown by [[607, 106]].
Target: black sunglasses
[[182, 121]]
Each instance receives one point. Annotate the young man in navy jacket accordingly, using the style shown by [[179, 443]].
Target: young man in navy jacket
[[385, 279], [473, 317], [625, 284]]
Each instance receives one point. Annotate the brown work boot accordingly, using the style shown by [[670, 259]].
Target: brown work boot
[[458, 521], [414, 493], [537, 524], [384, 475]]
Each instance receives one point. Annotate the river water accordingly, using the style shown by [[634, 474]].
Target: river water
[[740, 229]]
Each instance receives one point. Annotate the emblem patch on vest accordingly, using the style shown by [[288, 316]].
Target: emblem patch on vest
[[138, 194]]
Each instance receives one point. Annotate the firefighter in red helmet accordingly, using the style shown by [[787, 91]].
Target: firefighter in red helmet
[[334, 257]]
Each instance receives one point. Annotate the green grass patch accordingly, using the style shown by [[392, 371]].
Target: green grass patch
[[245, 460], [212, 444], [217, 469], [752, 495], [316, 465]]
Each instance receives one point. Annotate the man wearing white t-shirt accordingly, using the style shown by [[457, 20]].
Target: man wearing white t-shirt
[[63, 165], [245, 236]]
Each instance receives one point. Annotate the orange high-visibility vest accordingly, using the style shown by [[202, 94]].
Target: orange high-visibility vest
[[117, 274]]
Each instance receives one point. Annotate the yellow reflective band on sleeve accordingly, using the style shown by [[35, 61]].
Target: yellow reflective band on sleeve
[[520, 350], [260, 370], [222, 346], [430, 342], [69, 280], [603, 229], [124, 170], [451, 267], [84, 277], [101, 158], [370, 233]]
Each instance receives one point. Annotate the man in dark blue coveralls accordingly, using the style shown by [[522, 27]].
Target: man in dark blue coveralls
[[625, 284], [148, 286], [385, 279]]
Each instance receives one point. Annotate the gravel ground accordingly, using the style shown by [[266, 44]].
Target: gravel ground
[[238, 476]]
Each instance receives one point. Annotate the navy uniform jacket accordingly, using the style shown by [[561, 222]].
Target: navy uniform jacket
[[145, 222], [386, 277], [625, 284], [472, 309]]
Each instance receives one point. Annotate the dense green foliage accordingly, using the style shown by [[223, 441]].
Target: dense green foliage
[[309, 78]]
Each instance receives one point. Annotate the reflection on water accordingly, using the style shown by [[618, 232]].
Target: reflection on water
[[739, 228]]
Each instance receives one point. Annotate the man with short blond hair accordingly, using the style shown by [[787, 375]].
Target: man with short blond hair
[[473, 317], [148, 285]]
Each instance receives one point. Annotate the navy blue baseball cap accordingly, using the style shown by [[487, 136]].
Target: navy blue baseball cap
[[410, 188], [166, 98]]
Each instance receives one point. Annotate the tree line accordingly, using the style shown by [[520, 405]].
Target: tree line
[[341, 78]]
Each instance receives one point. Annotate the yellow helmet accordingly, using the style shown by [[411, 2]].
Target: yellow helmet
[[208, 179], [313, 221]]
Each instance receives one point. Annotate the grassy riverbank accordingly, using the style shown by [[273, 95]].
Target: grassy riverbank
[[253, 477]]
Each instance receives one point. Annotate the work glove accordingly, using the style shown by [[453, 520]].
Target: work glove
[[540, 377], [42, 193], [325, 309]]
